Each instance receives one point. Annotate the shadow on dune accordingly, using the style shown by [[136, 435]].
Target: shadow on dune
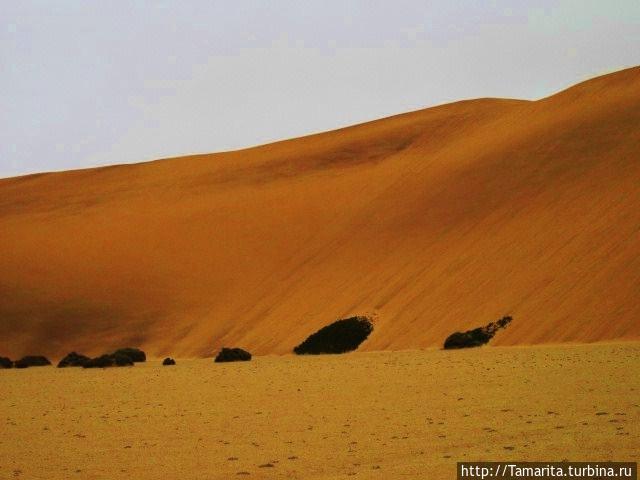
[[36, 325]]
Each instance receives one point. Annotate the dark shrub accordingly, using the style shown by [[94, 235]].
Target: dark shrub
[[109, 360], [100, 362], [73, 359], [122, 357], [32, 361], [5, 362], [471, 338], [476, 337], [168, 361], [233, 355], [122, 360], [340, 337], [135, 354]]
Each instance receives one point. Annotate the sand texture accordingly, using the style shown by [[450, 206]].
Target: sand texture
[[371, 415]]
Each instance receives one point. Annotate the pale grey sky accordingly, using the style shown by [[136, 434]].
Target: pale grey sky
[[86, 83]]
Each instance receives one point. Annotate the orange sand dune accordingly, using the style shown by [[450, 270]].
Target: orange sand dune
[[432, 221]]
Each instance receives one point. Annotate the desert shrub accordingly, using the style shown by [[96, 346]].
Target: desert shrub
[[168, 361], [109, 360], [503, 322], [339, 337], [5, 362], [470, 338], [102, 361], [32, 361], [73, 359], [135, 354], [233, 355], [476, 337], [122, 359]]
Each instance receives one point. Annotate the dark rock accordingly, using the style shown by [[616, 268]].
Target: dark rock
[[5, 363], [168, 361], [476, 337], [109, 360], [32, 361], [233, 355], [73, 359], [135, 354], [341, 336]]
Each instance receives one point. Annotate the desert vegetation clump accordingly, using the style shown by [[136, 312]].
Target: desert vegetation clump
[[102, 361], [32, 361], [135, 354], [168, 361], [122, 360], [123, 357], [73, 359], [109, 360], [5, 362], [476, 337], [233, 355], [341, 336]]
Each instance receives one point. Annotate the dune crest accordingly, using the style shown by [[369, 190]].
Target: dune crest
[[433, 221]]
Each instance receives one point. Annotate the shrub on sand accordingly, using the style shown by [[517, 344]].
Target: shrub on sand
[[233, 355], [135, 354], [73, 359], [32, 361], [5, 362], [476, 337], [109, 360], [341, 336]]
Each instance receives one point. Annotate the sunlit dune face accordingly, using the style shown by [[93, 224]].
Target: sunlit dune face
[[434, 221]]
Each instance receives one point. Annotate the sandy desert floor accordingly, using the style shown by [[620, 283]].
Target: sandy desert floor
[[378, 415]]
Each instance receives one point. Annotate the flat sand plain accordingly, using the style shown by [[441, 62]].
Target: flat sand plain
[[377, 415]]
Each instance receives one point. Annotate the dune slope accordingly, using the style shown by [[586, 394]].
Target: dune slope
[[433, 221]]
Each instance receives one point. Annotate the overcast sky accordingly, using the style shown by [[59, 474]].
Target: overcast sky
[[85, 83]]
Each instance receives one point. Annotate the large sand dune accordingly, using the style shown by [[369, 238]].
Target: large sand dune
[[433, 221]]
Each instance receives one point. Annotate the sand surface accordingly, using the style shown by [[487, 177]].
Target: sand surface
[[374, 415], [434, 221]]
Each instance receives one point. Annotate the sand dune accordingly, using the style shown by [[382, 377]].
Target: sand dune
[[433, 221]]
